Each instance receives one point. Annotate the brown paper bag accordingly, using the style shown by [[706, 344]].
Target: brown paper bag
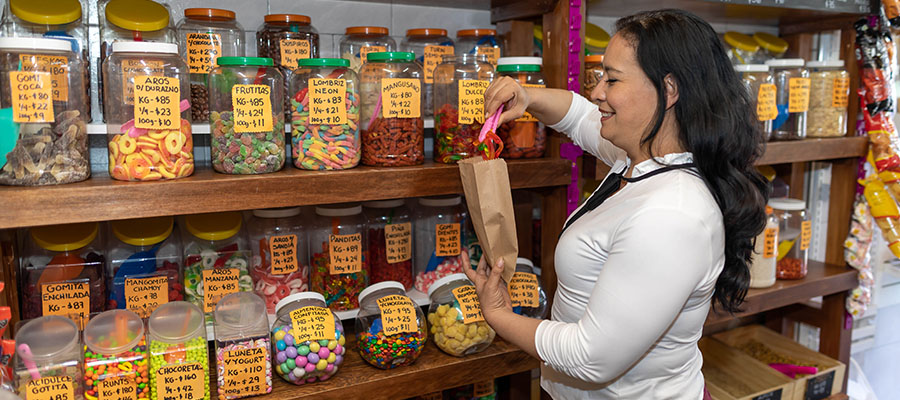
[[486, 185]]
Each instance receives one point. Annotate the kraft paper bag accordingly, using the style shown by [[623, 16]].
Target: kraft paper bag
[[489, 197]]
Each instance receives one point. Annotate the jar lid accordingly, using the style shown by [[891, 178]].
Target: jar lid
[[46, 336], [786, 204], [520, 61], [338, 211], [391, 56], [426, 32], [65, 237], [771, 42], [177, 321], [741, 41], [288, 18], [285, 212], [384, 203], [826, 64], [476, 32], [786, 63], [113, 332], [594, 58], [445, 280], [143, 231], [538, 31], [524, 261], [323, 62], [255, 61], [137, 15], [519, 68], [440, 201], [381, 285], [27, 43], [46, 12], [145, 47], [367, 30], [298, 297], [751, 68], [212, 14], [214, 226], [241, 310], [595, 36]]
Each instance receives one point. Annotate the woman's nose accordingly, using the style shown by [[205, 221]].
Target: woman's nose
[[599, 92]]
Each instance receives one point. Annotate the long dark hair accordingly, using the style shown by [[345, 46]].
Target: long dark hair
[[717, 123]]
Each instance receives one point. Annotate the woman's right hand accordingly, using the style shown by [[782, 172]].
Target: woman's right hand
[[507, 91]]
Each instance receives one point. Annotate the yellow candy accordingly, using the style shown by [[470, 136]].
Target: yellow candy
[[442, 310], [451, 331], [314, 346], [452, 313], [466, 342], [472, 331], [341, 341], [331, 358], [321, 365], [331, 345]]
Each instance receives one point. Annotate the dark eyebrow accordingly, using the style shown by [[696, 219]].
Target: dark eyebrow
[[610, 69]]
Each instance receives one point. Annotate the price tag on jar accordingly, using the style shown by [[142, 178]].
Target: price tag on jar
[[345, 254], [769, 245], [181, 381], [67, 299], [116, 389], [401, 98], [398, 242], [244, 373], [312, 323], [252, 108], [526, 117], [156, 102], [51, 388], [798, 95], [805, 234], [143, 295], [433, 56], [202, 51], [841, 92], [292, 51], [327, 99], [471, 101], [218, 283], [283, 250], [468, 304], [446, 240], [766, 106], [482, 389], [524, 290], [492, 53], [132, 68], [398, 314], [57, 66], [32, 96], [365, 50]]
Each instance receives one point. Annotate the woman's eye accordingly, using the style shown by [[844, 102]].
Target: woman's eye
[[610, 81]]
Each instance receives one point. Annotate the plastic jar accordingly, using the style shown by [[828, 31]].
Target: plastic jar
[[771, 46], [742, 49], [792, 99], [242, 346], [48, 346], [794, 233], [390, 327], [339, 267], [760, 84], [526, 292], [762, 263], [246, 119], [178, 351], [390, 241], [62, 265], [330, 141], [479, 42], [448, 322], [215, 253], [319, 354], [439, 239], [359, 41], [144, 259], [394, 130], [47, 138], [828, 99], [458, 119], [429, 45], [279, 232], [593, 73], [116, 352], [595, 39], [204, 35], [525, 137], [158, 144], [133, 21], [286, 39]]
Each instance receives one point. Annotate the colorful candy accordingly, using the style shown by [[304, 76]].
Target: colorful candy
[[325, 147], [163, 354], [447, 266], [453, 141], [227, 257], [245, 153], [381, 269], [392, 351], [151, 154], [309, 361], [131, 365], [176, 287], [273, 288], [251, 343], [63, 267], [341, 291], [394, 142], [455, 337]]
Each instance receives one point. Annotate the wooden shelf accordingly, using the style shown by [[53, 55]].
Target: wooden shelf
[[101, 198], [814, 150], [757, 12]]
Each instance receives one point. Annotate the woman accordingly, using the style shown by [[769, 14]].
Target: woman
[[670, 228]]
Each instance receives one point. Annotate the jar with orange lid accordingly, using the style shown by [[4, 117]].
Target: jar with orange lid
[[429, 45], [287, 38], [593, 73], [359, 41], [133, 20], [204, 35], [479, 42]]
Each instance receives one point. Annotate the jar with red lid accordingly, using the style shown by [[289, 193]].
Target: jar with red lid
[[429, 45], [359, 41]]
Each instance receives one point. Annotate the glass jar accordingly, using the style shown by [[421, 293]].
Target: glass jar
[[204, 35], [339, 266], [794, 233], [762, 263], [439, 239], [754, 77], [742, 49], [144, 258], [394, 130], [158, 144], [593, 73], [359, 41], [62, 268], [390, 327], [429, 45], [771, 46], [246, 120], [135, 21], [178, 351], [595, 39], [458, 119], [243, 363], [828, 99], [116, 352], [215, 253], [330, 141], [47, 348], [792, 99], [526, 293], [448, 323], [280, 254], [525, 137], [319, 356], [286, 39], [390, 241], [46, 139], [479, 42]]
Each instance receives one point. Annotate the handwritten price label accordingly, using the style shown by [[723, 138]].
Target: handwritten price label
[[202, 51], [143, 295], [132, 68], [117, 389], [67, 299], [51, 388], [245, 372], [766, 107], [252, 106], [181, 382], [805, 234], [401, 98], [283, 250], [292, 51], [482, 389], [312, 323], [770, 238], [326, 101], [492, 53], [32, 96], [468, 304], [156, 102], [446, 240], [398, 314], [433, 56], [524, 290], [365, 50], [218, 283], [798, 95], [345, 254], [526, 117], [841, 92], [471, 101], [57, 66], [398, 242]]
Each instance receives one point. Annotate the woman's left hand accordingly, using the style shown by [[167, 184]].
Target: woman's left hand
[[492, 290]]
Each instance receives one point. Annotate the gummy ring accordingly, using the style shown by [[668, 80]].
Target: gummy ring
[[113, 150], [139, 168], [153, 155], [120, 172], [157, 134], [186, 170], [173, 142], [127, 144], [166, 173]]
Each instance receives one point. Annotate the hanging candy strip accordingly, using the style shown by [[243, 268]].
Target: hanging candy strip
[[489, 144]]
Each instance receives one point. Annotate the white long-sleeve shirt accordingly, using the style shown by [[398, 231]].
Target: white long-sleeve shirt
[[635, 281]]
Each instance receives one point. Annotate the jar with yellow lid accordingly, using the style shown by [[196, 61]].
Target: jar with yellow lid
[[771, 46], [133, 20], [477, 42], [359, 41], [742, 49], [62, 272], [216, 259], [429, 45], [593, 73], [144, 264], [204, 35], [595, 39]]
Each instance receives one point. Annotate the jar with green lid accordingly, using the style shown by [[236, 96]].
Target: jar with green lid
[[525, 137], [459, 85], [430, 45], [760, 84], [829, 95], [479, 42], [116, 351], [246, 120], [359, 41], [133, 20], [742, 49], [49, 354], [595, 39], [771, 46], [792, 99], [178, 351]]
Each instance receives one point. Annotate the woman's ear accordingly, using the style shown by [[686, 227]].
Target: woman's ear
[[671, 91]]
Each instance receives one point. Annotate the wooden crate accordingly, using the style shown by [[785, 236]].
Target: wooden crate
[[733, 375], [827, 382]]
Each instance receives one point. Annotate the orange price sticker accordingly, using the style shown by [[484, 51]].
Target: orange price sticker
[[312, 323], [471, 101], [32, 96], [218, 283], [401, 98], [181, 381], [283, 250], [482, 389], [67, 299], [365, 50], [798, 95], [51, 388], [202, 51], [132, 68], [398, 242], [245, 372], [117, 389], [157, 102], [434, 55], [766, 107], [292, 51], [446, 240], [492, 53], [526, 117], [841, 92], [345, 254], [57, 66], [771, 237], [524, 290], [252, 106], [327, 99], [398, 314], [143, 295], [468, 304], [805, 234]]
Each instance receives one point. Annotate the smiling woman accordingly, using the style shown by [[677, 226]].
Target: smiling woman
[[640, 263]]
